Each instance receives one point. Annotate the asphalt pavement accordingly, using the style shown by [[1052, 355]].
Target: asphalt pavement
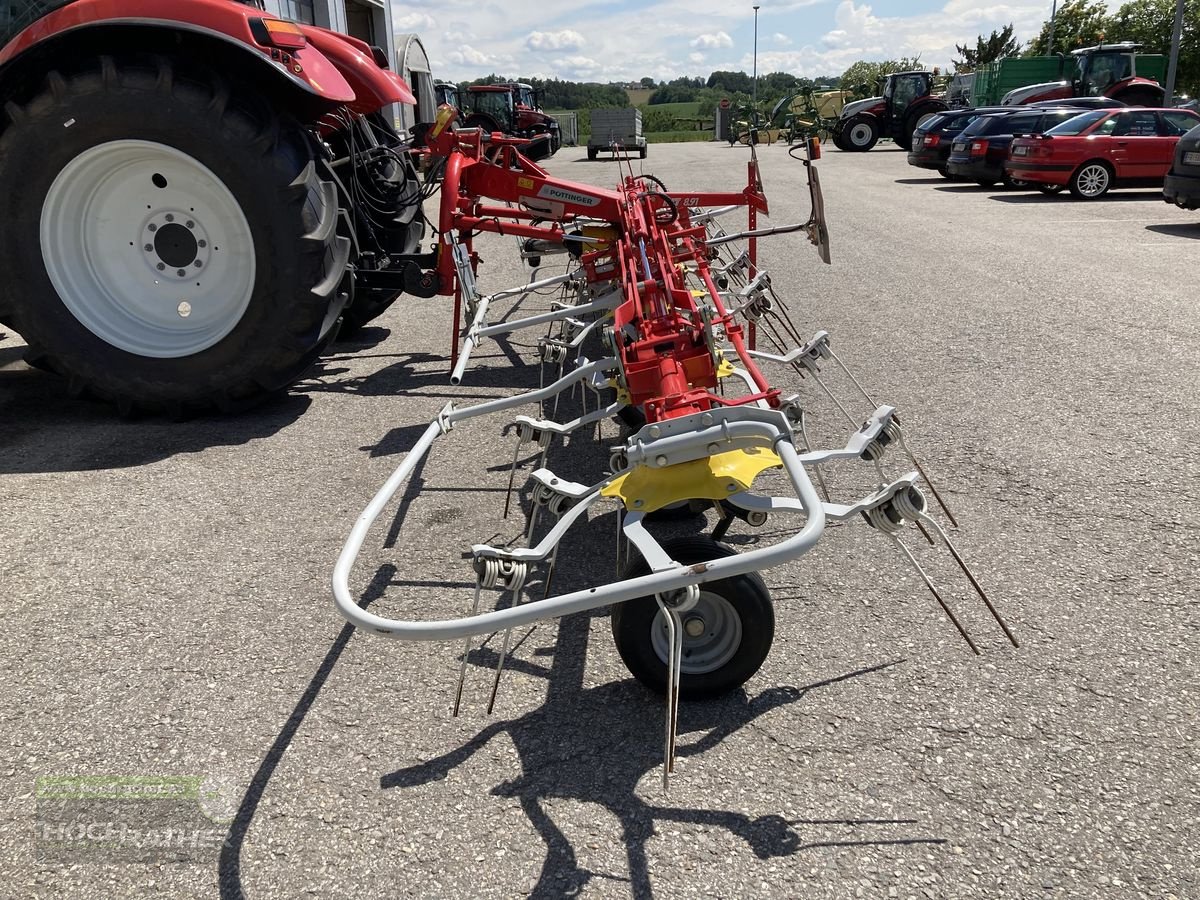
[[168, 612]]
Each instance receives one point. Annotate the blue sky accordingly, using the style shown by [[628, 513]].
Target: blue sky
[[585, 40]]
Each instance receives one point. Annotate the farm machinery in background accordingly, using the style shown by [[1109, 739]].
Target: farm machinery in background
[[652, 319], [513, 110], [199, 192], [1106, 70], [906, 100]]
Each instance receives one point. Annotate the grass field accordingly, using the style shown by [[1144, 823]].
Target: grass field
[[682, 110]]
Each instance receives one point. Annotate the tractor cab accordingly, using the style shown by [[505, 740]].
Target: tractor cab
[[491, 107], [902, 89], [526, 96], [1099, 69], [446, 94]]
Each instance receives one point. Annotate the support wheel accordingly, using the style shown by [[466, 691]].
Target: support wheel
[[1091, 180], [727, 635], [173, 262], [860, 133]]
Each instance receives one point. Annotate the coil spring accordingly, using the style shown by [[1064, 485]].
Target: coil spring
[[758, 307], [618, 461], [887, 435], [904, 507], [504, 574], [681, 600], [527, 432], [793, 412], [572, 328], [544, 495], [552, 352]]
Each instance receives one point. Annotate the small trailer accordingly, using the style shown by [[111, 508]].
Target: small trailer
[[618, 130]]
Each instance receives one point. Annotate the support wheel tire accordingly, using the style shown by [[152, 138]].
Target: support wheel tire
[[1091, 180], [114, 204], [860, 133], [734, 624]]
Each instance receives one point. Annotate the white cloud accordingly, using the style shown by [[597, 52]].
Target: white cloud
[[468, 55], [414, 22], [712, 41], [554, 40], [576, 38]]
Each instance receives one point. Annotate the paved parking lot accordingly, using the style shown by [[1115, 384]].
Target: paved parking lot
[[168, 611]]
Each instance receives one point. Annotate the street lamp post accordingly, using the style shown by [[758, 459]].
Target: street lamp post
[[756, 64]]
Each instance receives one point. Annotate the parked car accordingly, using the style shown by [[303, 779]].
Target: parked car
[[932, 138], [1182, 184], [1096, 150], [979, 151], [1083, 103]]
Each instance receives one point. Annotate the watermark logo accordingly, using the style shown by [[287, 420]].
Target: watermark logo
[[134, 818]]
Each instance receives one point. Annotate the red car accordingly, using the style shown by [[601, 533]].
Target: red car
[[1097, 150]]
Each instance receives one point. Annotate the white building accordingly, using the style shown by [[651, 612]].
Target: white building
[[371, 21], [367, 20]]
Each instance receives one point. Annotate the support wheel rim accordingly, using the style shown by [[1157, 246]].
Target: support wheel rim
[[712, 634], [148, 249]]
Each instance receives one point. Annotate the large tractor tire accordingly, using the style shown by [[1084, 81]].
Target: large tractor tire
[[1140, 96], [169, 244], [860, 133], [915, 120]]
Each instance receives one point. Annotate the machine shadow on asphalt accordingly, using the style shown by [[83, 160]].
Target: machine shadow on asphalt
[[1183, 231], [920, 180], [78, 435], [1112, 196], [610, 722]]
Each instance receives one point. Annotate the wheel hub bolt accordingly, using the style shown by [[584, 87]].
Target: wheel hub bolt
[[182, 273], [694, 626], [149, 248], [161, 267], [152, 227], [191, 224], [169, 217], [202, 244]]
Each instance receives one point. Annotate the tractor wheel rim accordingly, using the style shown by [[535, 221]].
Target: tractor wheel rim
[[148, 249], [712, 634], [860, 134], [1093, 180]]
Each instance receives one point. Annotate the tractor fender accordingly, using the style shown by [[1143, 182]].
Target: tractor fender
[[1136, 86], [374, 87], [872, 106], [923, 107], [309, 69]]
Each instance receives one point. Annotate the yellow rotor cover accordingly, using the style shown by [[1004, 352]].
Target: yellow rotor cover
[[645, 489]]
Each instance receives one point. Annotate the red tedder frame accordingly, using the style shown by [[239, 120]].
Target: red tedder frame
[[663, 336]]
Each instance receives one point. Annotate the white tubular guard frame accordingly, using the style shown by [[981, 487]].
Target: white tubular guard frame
[[768, 431]]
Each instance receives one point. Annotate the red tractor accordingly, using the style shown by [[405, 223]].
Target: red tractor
[[1106, 70], [907, 100], [196, 194], [512, 109]]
